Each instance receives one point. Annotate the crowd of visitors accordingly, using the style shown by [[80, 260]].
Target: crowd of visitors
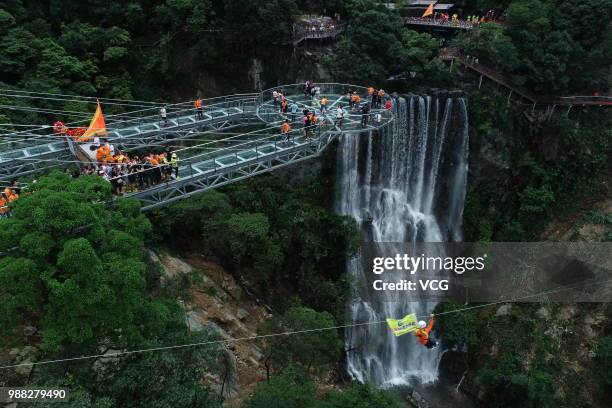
[[368, 110], [133, 173], [455, 20], [317, 26]]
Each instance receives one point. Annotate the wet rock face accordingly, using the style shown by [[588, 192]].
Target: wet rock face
[[416, 400], [217, 304], [25, 355], [453, 365], [504, 310]]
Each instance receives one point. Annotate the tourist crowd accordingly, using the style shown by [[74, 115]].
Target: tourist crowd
[[455, 20], [133, 173], [370, 109], [317, 26]]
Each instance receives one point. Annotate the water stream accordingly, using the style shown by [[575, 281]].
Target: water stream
[[405, 183]]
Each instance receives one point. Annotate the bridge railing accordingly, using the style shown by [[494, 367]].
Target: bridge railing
[[461, 24], [470, 62], [179, 111], [145, 118], [594, 99], [209, 156], [303, 32], [295, 92]]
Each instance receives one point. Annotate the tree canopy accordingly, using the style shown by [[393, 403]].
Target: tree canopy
[[74, 267], [551, 48], [310, 352]]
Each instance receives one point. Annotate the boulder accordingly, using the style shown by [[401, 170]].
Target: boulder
[[194, 321], [241, 313], [504, 310], [175, 266], [543, 313], [211, 288], [416, 400], [25, 355]]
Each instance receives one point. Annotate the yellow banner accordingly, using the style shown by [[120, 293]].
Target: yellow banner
[[402, 326]]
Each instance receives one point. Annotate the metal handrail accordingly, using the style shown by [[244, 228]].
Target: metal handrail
[[229, 102], [169, 108]]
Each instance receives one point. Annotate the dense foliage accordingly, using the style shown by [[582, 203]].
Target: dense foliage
[[157, 379], [278, 238], [376, 47], [292, 390], [74, 267], [310, 352], [541, 167], [551, 48]]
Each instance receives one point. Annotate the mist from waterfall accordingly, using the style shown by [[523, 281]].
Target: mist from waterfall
[[405, 183]]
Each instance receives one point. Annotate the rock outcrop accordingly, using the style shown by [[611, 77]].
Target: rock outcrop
[[217, 304]]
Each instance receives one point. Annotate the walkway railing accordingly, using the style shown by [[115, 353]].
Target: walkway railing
[[141, 123], [301, 33], [421, 21], [223, 160], [178, 115], [218, 162], [483, 70]]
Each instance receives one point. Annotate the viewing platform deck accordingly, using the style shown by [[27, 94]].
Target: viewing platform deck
[[225, 158]]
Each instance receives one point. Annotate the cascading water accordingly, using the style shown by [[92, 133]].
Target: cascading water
[[405, 183]]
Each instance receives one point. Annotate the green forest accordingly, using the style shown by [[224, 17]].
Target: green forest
[[80, 269]]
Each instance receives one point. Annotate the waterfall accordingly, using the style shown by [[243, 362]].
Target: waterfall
[[404, 183]]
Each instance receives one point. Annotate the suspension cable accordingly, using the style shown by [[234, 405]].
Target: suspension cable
[[287, 333], [77, 96], [46, 98]]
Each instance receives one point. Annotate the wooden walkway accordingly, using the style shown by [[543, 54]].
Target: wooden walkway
[[484, 71], [302, 34], [430, 22]]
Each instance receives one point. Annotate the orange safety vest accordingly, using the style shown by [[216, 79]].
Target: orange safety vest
[[324, 101], [3, 206], [13, 197], [422, 335], [198, 103], [285, 128], [103, 154]]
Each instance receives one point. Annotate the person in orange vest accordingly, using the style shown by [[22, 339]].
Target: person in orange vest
[[286, 129], [356, 100], [422, 333], [4, 209], [324, 102], [199, 108], [103, 153]]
